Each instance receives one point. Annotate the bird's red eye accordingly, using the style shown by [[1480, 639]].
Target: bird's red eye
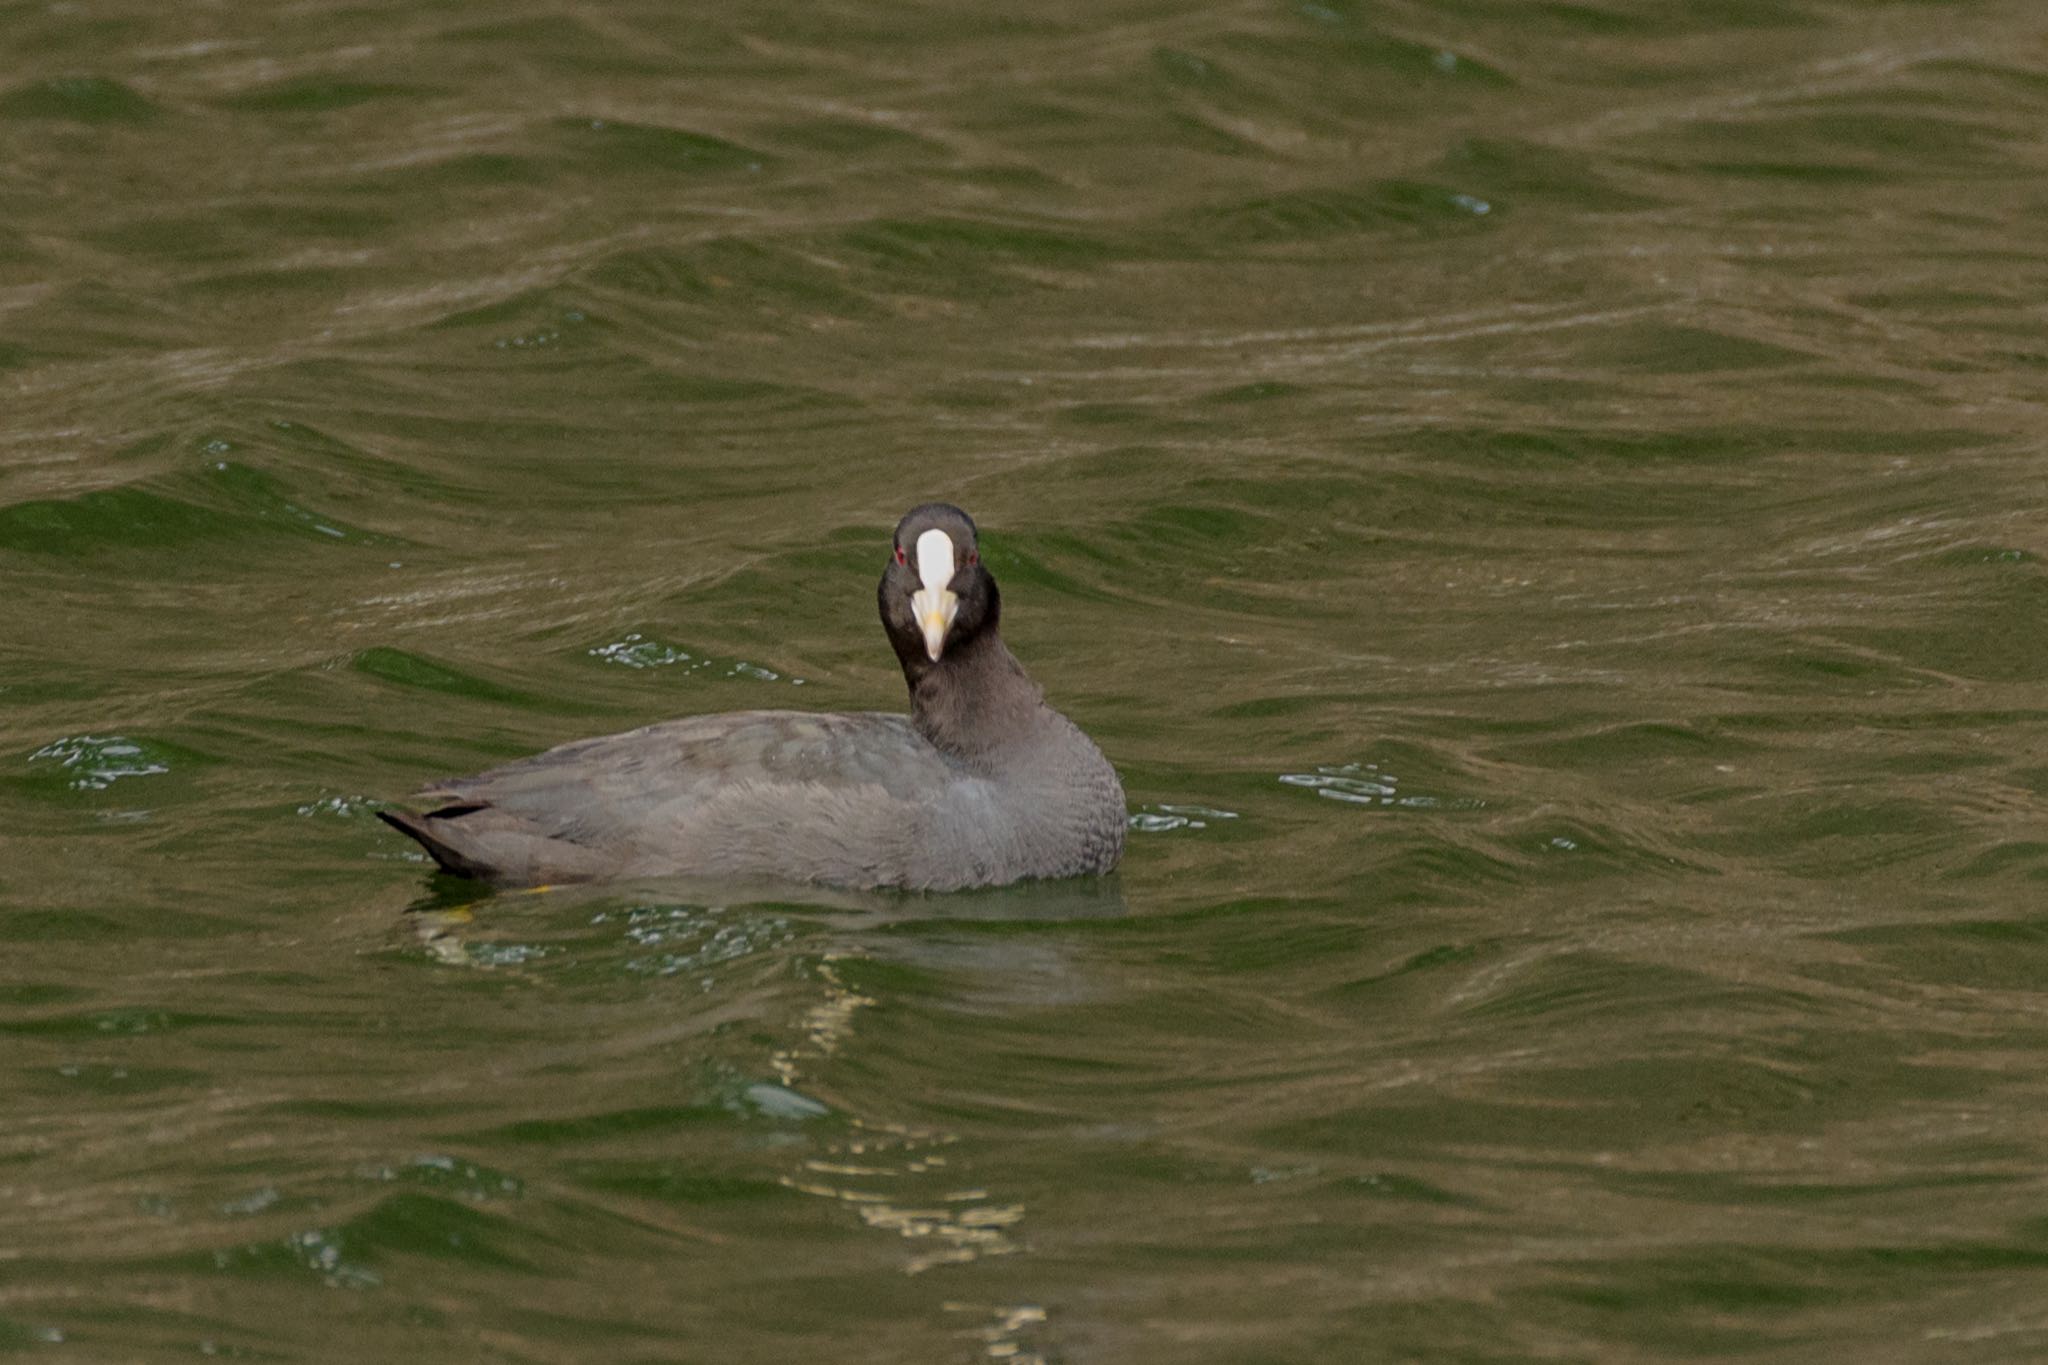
[[974, 556], [900, 559]]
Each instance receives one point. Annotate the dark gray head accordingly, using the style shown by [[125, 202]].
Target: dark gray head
[[937, 600]]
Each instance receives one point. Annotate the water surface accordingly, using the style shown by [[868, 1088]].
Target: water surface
[[1542, 503]]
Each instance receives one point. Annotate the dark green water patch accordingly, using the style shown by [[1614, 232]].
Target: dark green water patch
[[1312, 215], [1789, 718], [970, 257], [401, 1226], [1580, 985], [122, 924], [1720, 1189], [307, 284], [1666, 348], [416, 1224], [1736, 1284], [455, 172], [106, 1078], [882, 978], [1754, 1095], [1975, 556], [735, 272], [61, 926], [1853, 143], [1198, 131], [849, 137], [37, 994], [313, 219], [1530, 173], [1817, 175], [226, 502], [528, 315], [1933, 761], [568, 47], [1442, 957], [1033, 560], [1628, 744], [1279, 708], [23, 1335], [1977, 954], [1249, 945], [669, 1183], [1429, 1128], [1566, 16], [1352, 55], [2028, 857], [1394, 1186], [1179, 68], [613, 147], [80, 99], [1999, 641], [43, 691], [417, 670], [330, 451], [371, 1111], [1579, 850], [1259, 391], [1493, 499], [125, 1022], [315, 95], [1554, 447], [706, 389], [187, 238], [452, 1176], [1168, 924], [1533, 447], [585, 1128], [1828, 835], [1117, 415], [1697, 1289]]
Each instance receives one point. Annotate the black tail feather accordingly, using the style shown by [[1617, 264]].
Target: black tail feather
[[450, 858]]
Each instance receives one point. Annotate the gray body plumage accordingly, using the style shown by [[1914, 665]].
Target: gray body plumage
[[980, 785]]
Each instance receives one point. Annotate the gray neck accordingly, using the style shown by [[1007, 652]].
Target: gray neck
[[978, 704]]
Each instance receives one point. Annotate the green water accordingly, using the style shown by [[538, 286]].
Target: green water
[[1542, 502]]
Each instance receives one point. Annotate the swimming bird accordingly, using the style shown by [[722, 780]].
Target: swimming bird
[[982, 783]]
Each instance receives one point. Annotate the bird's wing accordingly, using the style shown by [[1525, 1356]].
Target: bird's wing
[[719, 784]]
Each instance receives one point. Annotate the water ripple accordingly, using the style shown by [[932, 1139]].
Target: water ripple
[[635, 650], [1365, 784], [1160, 819], [97, 762]]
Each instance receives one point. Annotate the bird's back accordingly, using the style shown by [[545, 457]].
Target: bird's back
[[790, 795]]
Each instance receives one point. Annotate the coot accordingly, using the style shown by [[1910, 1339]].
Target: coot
[[981, 784]]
